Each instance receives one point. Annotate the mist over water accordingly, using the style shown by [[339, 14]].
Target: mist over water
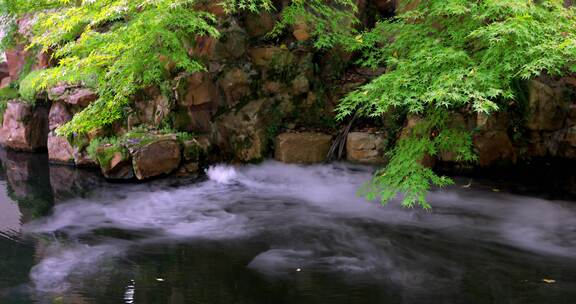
[[274, 233], [311, 220]]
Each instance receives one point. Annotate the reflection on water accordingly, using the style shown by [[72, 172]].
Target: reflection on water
[[274, 233], [10, 215]]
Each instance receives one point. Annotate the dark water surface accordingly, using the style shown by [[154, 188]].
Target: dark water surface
[[274, 233]]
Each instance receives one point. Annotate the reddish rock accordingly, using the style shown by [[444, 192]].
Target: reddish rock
[[72, 95], [43, 61], [25, 127], [305, 147], [59, 149], [58, 116], [25, 25], [301, 31], [215, 8], [231, 45], [16, 59], [203, 46], [197, 99], [494, 147], [161, 156], [82, 97], [5, 82]]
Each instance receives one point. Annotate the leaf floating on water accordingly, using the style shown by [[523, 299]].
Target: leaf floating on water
[[495, 190], [549, 281]]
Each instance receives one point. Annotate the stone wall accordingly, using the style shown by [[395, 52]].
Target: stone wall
[[262, 98]]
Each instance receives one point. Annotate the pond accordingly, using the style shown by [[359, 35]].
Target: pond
[[275, 233]]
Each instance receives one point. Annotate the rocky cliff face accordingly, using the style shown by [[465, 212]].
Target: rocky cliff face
[[260, 99]]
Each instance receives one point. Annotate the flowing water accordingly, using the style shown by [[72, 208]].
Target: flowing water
[[273, 233]]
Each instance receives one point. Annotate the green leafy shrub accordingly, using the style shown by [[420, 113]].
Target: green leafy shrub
[[6, 94], [330, 22], [448, 55], [92, 148], [118, 47]]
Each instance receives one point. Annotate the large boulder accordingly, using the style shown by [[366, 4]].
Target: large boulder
[[59, 115], [242, 134], [155, 156], [59, 149], [547, 110], [494, 147], [73, 95], [366, 147], [25, 127], [304, 147], [115, 162]]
